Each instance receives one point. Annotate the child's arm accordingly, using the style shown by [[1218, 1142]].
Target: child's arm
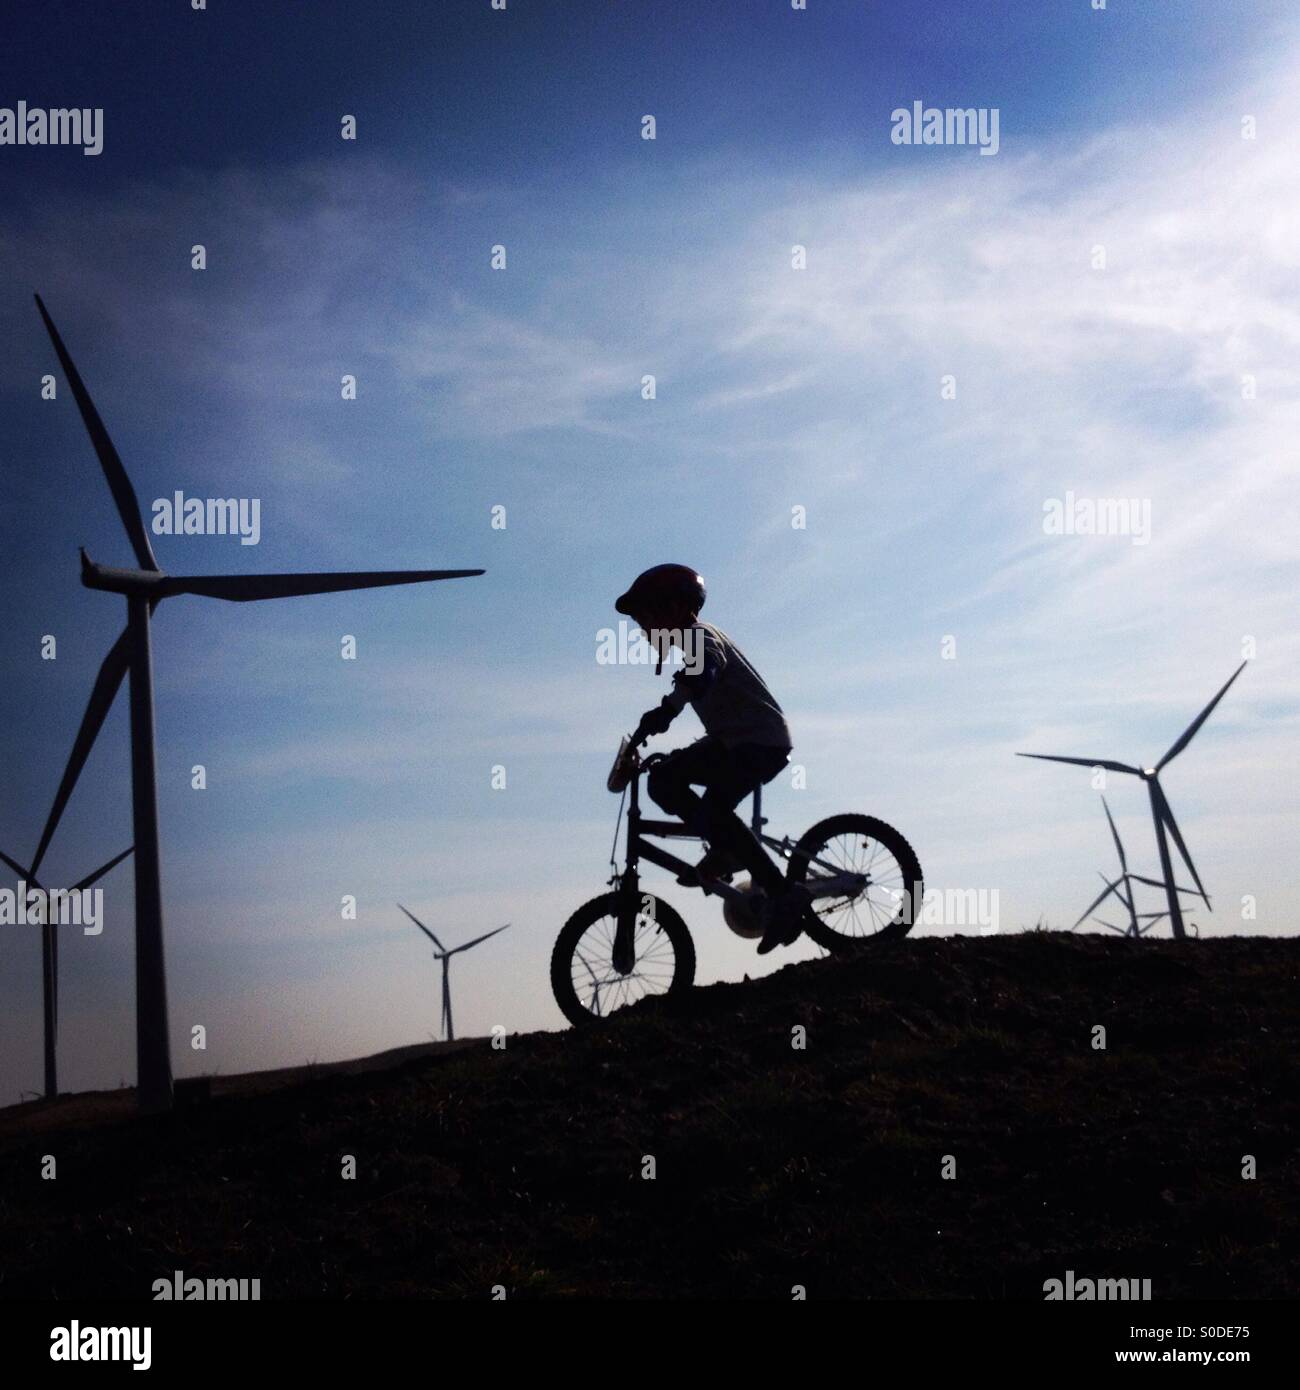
[[686, 688]]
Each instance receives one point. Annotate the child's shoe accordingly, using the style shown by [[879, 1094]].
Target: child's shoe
[[716, 866], [783, 918]]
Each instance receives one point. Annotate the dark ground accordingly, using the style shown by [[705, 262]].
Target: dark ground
[[775, 1167]]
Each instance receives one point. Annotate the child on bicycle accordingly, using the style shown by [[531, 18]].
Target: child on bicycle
[[746, 740]]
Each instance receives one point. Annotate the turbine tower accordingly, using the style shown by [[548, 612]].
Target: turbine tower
[[50, 959], [1160, 809], [440, 952], [144, 589]]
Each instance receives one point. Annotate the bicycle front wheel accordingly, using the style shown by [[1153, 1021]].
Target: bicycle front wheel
[[583, 978], [864, 878]]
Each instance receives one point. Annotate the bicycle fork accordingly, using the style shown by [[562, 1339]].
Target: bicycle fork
[[629, 909]]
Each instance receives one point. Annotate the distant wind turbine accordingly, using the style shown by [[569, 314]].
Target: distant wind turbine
[[1160, 809], [1122, 888], [144, 588], [596, 984], [444, 955], [50, 959]]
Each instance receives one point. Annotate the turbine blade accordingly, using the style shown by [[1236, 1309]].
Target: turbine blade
[[476, 941], [1189, 733], [1160, 883], [247, 588], [1122, 891], [1096, 902], [1123, 863], [1128, 898], [102, 695], [101, 871], [1167, 815], [424, 929], [1082, 762], [24, 874], [119, 484]]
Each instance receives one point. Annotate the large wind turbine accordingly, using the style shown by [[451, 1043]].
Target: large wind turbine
[[50, 959], [144, 588], [444, 955], [1160, 809]]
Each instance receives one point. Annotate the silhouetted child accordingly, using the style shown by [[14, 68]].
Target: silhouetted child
[[746, 741]]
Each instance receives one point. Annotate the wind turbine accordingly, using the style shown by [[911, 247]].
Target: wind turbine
[[444, 955], [50, 959], [144, 589], [596, 983], [1160, 809], [1124, 894]]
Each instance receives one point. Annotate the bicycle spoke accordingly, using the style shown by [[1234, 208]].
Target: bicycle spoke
[[601, 988], [877, 906]]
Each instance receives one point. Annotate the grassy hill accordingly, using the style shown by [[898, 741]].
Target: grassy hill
[[774, 1166]]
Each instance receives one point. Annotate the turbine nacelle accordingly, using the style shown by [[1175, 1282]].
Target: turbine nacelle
[[133, 583]]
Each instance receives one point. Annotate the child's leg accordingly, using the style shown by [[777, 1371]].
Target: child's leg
[[669, 783], [728, 776], [742, 771]]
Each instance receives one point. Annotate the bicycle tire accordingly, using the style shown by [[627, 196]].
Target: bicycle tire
[[910, 885], [666, 918]]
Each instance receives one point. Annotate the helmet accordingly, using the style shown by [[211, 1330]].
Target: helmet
[[661, 586]]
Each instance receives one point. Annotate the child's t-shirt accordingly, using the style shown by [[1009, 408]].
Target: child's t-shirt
[[728, 695]]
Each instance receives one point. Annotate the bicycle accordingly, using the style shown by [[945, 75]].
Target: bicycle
[[625, 945]]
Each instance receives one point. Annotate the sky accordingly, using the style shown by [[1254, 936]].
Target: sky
[[1106, 308]]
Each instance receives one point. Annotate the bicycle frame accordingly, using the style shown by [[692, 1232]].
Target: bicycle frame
[[640, 829], [640, 834]]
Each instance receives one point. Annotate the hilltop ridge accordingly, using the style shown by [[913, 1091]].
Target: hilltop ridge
[[774, 1164]]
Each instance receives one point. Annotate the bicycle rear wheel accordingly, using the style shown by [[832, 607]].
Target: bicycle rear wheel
[[583, 979], [883, 892]]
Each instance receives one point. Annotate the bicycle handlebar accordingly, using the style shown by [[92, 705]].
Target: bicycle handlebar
[[629, 765]]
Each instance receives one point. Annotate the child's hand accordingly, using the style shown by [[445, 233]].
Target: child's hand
[[655, 721]]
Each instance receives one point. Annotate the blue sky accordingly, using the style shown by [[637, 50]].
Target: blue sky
[[776, 388]]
